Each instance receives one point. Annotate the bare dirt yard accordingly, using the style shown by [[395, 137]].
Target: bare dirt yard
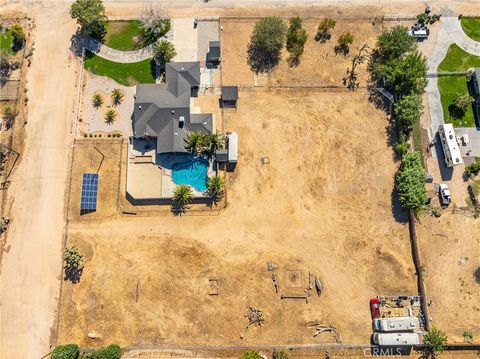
[[319, 65], [321, 204], [450, 252]]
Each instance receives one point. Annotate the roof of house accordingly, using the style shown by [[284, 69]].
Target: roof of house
[[229, 93], [163, 110], [213, 51]]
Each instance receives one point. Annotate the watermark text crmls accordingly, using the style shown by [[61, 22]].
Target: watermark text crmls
[[379, 351]]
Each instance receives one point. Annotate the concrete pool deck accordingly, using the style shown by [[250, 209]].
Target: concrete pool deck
[[145, 178]]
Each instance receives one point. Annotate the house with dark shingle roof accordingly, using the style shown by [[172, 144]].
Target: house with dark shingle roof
[[162, 111]]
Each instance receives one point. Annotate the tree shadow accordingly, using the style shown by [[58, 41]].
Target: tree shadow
[[342, 49], [293, 61], [73, 274], [261, 61], [323, 36], [456, 112], [78, 41], [178, 209], [399, 213]]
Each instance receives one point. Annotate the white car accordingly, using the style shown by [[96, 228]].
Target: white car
[[444, 193]]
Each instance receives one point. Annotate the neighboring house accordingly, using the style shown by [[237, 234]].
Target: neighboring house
[[474, 87], [162, 111]]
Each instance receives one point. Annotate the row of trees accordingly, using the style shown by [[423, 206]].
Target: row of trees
[[90, 15], [271, 34], [72, 351], [397, 64]]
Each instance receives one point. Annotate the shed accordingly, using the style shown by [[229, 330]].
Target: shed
[[221, 155], [229, 96], [233, 147], [213, 54]]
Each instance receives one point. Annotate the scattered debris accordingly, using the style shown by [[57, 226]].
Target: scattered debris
[[137, 291], [213, 286], [265, 160], [271, 266], [462, 260], [320, 328], [94, 335], [275, 283], [302, 297], [4, 224], [255, 317], [318, 286]]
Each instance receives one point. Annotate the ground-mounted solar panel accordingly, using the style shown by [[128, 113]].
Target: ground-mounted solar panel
[[88, 201]]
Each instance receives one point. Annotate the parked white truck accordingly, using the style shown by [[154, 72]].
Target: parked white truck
[[396, 324], [396, 339]]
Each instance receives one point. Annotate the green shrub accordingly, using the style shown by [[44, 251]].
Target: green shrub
[[112, 351], [251, 354], [436, 340], [468, 336], [436, 212], [68, 351], [280, 354], [473, 169]]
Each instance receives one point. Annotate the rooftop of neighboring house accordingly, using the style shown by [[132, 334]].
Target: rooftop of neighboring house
[[163, 110]]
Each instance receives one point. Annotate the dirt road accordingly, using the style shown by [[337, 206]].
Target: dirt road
[[31, 266]]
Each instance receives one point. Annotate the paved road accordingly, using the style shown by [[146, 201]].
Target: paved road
[[450, 32]]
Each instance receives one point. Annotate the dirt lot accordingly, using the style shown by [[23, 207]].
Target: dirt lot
[[322, 204], [88, 159], [450, 252], [319, 65]]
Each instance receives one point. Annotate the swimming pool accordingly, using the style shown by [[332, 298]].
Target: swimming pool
[[187, 169]]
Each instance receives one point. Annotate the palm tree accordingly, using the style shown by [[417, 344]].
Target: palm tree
[[196, 141], [110, 116], [117, 96], [215, 141], [215, 186], [164, 52], [97, 100], [182, 195]]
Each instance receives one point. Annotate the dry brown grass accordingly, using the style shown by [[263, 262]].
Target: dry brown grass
[[319, 65], [323, 204]]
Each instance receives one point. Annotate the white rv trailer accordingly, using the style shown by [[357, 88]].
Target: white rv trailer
[[451, 150], [396, 339], [396, 324]]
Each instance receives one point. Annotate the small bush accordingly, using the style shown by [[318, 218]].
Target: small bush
[[251, 354], [112, 351], [468, 336], [85, 135], [68, 351], [90, 135], [436, 212], [473, 169], [280, 354]]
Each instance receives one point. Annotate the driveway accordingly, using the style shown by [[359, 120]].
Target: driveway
[[185, 40]]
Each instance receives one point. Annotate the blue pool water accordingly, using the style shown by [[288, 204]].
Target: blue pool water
[[187, 169]]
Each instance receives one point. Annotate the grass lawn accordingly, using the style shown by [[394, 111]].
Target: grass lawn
[[452, 86], [123, 35], [6, 40], [125, 74], [471, 26]]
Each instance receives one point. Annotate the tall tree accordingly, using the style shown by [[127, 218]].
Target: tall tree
[[164, 52], [266, 43], [343, 43], [90, 15], [408, 111], [296, 38], [410, 182], [435, 340], [18, 36], [155, 23], [393, 43]]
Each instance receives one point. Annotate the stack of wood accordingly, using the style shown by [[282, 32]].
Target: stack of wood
[[254, 317]]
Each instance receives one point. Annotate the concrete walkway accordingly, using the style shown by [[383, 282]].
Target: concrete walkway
[[450, 32], [116, 55]]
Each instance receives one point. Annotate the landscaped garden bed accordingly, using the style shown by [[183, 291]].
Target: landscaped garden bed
[[6, 40], [453, 86], [471, 26], [127, 74]]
